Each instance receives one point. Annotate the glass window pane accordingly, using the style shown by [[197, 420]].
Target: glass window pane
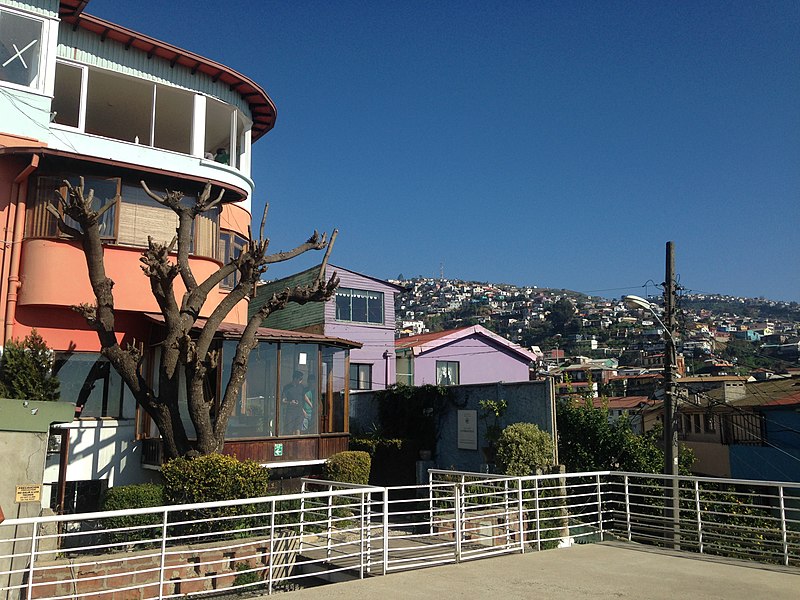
[[298, 412], [359, 307], [375, 311], [119, 107], [67, 95], [446, 372], [218, 131], [254, 413], [333, 382], [343, 305], [173, 119], [89, 380], [20, 46], [40, 223]]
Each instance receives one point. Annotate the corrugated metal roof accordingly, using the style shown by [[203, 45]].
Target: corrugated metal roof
[[424, 338]]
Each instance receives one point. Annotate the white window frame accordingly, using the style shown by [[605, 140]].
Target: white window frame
[[43, 84], [239, 148], [83, 93], [448, 366]]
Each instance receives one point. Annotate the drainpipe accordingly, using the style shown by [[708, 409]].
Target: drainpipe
[[387, 356], [21, 186]]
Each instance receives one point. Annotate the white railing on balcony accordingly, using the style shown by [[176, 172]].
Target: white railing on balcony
[[332, 530]]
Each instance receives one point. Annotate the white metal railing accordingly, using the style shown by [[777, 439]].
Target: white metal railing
[[332, 529]]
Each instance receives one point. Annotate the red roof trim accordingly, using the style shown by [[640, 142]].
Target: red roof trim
[[261, 105]]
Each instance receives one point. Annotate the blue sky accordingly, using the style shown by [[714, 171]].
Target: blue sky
[[557, 144]]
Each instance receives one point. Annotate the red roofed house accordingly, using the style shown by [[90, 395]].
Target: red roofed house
[[461, 356], [633, 407]]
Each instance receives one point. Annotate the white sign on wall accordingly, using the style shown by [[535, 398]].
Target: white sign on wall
[[468, 430]]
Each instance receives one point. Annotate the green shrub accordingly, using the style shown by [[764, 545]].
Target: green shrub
[[141, 495], [351, 466], [374, 444], [213, 477], [245, 578], [522, 448]]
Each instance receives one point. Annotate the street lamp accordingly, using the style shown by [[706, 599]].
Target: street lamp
[[672, 510], [639, 302], [670, 401]]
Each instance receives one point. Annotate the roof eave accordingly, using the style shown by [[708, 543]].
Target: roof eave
[[262, 108]]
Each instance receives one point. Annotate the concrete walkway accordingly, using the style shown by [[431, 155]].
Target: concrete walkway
[[609, 570]]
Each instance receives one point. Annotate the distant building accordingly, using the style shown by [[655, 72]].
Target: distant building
[[461, 356], [363, 311]]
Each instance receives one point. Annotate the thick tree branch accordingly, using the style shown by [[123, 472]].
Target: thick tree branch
[[315, 242]]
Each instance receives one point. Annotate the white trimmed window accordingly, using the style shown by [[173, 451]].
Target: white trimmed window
[[359, 306], [21, 53]]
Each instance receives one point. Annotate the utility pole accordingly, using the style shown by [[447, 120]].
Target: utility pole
[[672, 512]]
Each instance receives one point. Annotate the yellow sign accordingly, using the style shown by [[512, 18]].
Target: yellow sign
[[28, 493]]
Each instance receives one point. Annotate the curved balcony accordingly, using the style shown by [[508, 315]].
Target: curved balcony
[[149, 159], [55, 274]]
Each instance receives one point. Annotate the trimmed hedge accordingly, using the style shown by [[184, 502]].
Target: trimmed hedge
[[522, 448], [141, 495], [350, 466], [213, 477]]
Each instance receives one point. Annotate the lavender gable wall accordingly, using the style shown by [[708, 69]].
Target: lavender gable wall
[[378, 340], [480, 361]]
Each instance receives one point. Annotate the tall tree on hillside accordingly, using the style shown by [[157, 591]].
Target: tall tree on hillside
[[187, 345], [562, 313]]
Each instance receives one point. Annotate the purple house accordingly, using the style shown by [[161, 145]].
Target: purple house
[[461, 356], [362, 311]]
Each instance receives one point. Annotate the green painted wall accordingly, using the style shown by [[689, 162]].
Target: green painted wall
[[294, 316]]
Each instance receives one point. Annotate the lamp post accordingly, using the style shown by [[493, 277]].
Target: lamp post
[[672, 509], [670, 400]]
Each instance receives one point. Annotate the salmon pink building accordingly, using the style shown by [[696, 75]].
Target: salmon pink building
[[83, 97]]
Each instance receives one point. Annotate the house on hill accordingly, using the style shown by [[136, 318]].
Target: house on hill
[[461, 356], [363, 311]]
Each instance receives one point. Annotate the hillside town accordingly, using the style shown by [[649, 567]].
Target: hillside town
[[557, 323], [176, 423]]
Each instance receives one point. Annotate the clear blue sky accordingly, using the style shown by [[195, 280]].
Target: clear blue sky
[[558, 144]]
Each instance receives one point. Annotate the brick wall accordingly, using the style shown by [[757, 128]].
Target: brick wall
[[188, 569]]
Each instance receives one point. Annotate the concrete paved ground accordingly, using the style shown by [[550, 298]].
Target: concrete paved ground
[[609, 570]]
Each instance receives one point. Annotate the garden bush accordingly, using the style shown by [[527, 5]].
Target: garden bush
[[522, 448], [351, 466], [215, 478], [141, 495]]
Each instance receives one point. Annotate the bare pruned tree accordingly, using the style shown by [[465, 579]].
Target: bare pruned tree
[[187, 346]]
